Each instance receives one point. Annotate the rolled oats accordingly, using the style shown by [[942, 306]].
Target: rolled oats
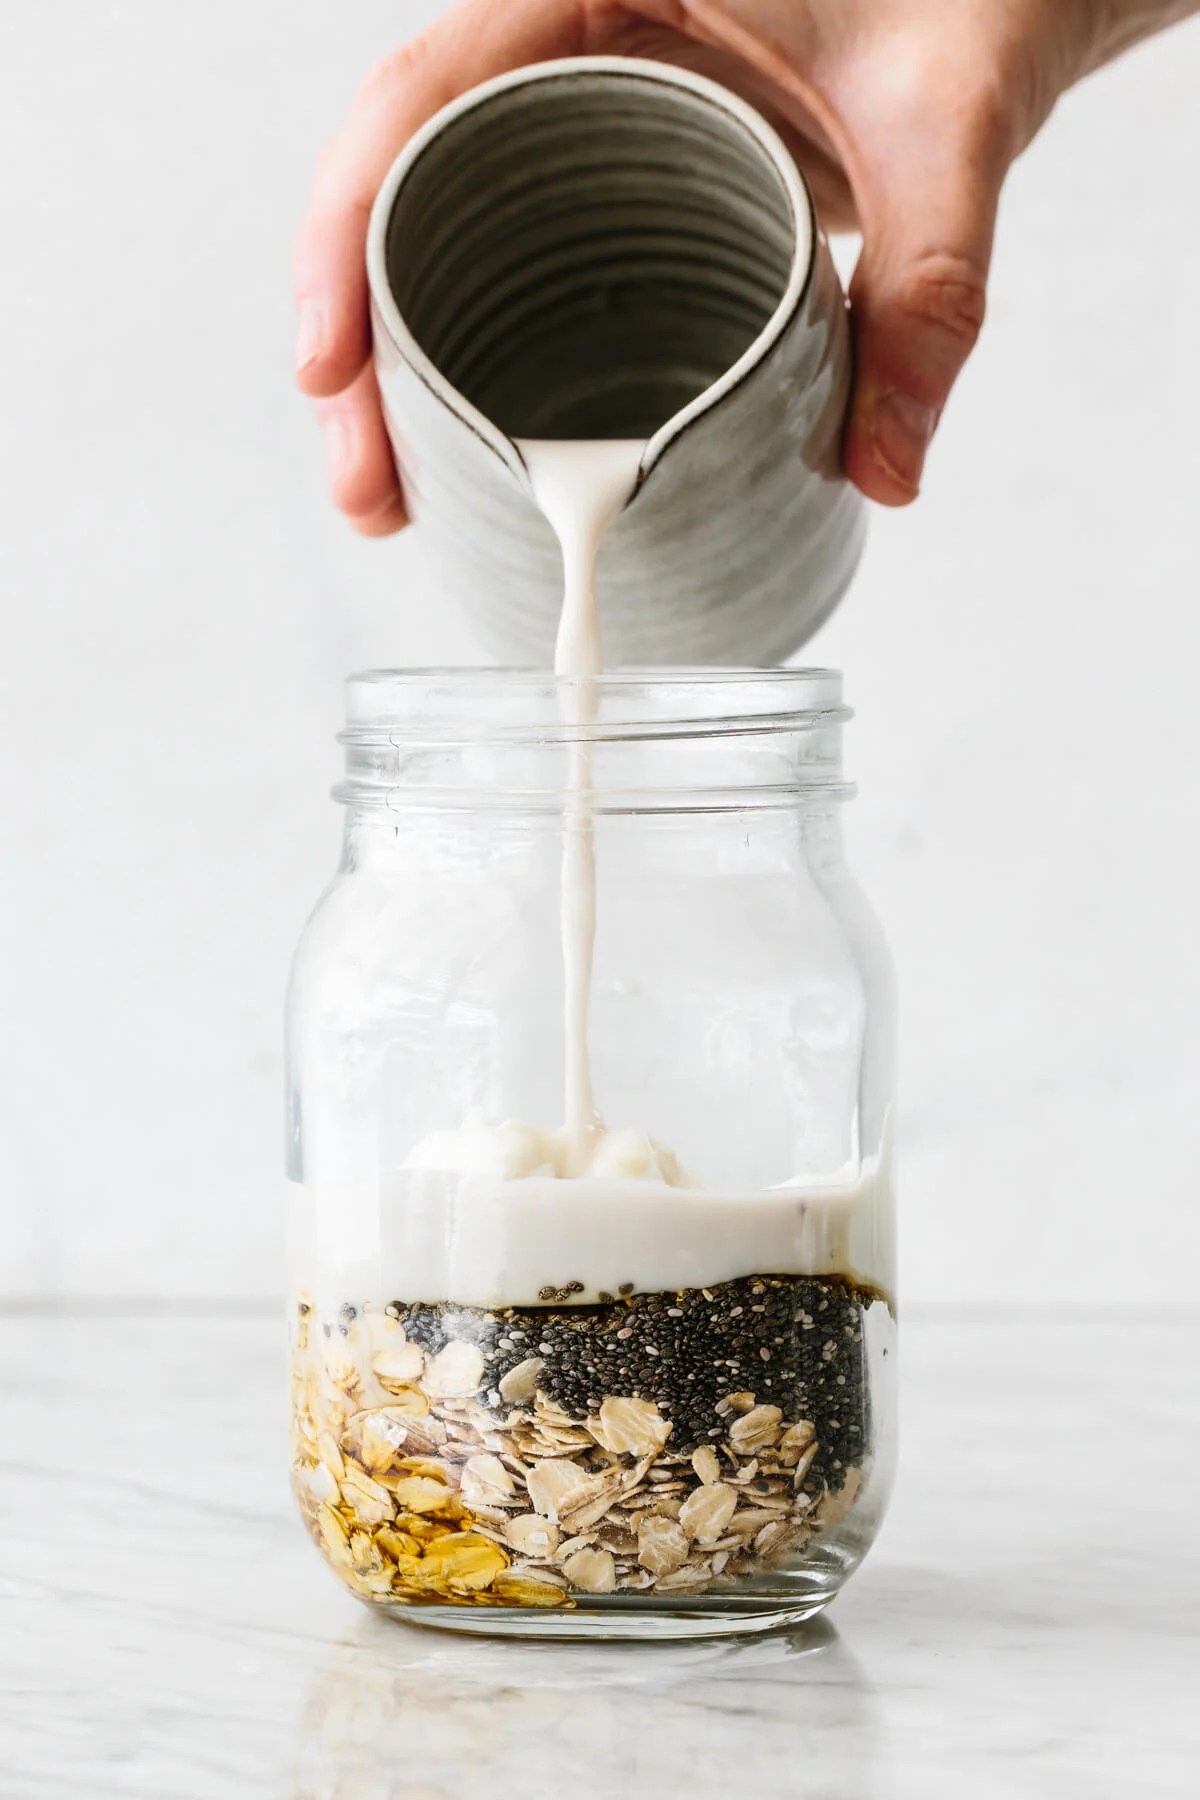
[[692, 1578], [630, 1427], [588, 1503], [707, 1464], [532, 1535], [425, 1480], [486, 1482], [548, 1481], [465, 1560], [368, 1500], [521, 1382], [662, 1545], [803, 1466], [528, 1590], [456, 1369], [398, 1367], [420, 1494], [381, 1439], [755, 1429], [592, 1571], [707, 1511]]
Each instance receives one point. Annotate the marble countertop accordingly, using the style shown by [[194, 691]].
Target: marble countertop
[[1028, 1625]]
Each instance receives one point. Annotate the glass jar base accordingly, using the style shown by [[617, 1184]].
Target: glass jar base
[[618, 1620]]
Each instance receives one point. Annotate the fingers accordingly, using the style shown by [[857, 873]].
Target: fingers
[[333, 338], [474, 41], [362, 474], [918, 295], [913, 333], [332, 316]]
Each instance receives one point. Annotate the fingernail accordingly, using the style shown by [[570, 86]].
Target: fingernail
[[900, 433], [339, 444], [310, 334]]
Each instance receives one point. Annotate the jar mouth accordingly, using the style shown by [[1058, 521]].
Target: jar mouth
[[448, 706], [661, 740]]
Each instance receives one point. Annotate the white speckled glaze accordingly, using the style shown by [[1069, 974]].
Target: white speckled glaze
[[606, 247]]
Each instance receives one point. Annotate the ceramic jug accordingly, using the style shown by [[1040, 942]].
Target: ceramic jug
[[615, 248]]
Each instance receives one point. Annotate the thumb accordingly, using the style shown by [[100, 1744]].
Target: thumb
[[917, 305]]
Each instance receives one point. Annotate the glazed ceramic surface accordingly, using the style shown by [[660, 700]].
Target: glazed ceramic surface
[[610, 248]]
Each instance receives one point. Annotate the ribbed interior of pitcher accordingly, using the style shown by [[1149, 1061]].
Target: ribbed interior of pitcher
[[581, 256]]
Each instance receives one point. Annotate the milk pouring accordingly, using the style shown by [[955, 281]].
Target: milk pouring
[[580, 487], [539, 1369], [691, 305], [552, 1362]]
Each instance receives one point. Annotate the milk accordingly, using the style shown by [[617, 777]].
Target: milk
[[580, 487], [475, 1237]]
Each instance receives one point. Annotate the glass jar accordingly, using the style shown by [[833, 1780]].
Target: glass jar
[[631, 1376]]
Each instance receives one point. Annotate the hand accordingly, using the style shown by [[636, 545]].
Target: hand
[[905, 116]]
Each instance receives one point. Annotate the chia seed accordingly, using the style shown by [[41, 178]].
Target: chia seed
[[674, 1348]]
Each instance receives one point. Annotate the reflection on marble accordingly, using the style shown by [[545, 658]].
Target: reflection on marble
[[595, 1719], [1026, 1627]]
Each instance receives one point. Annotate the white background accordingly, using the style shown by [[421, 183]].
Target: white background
[[180, 604]]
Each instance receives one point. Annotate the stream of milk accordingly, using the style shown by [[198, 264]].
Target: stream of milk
[[580, 487], [493, 1214]]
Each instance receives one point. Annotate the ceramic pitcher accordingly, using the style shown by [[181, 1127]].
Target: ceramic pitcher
[[614, 248]]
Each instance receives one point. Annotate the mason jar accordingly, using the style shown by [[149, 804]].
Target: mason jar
[[619, 1365]]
